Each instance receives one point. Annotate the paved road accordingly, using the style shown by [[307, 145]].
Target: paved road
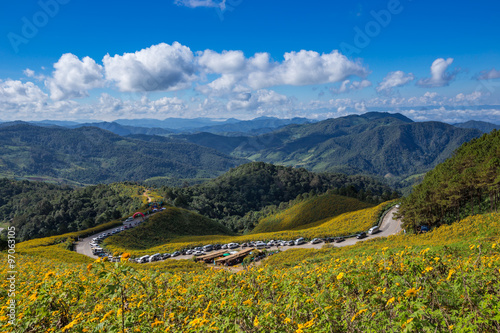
[[83, 245], [389, 226]]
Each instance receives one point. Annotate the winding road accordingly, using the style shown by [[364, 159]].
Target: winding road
[[389, 226]]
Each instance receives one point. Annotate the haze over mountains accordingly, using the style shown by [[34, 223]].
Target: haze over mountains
[[375, 143]]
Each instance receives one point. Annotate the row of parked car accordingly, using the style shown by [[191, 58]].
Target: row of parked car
[[202, 250]]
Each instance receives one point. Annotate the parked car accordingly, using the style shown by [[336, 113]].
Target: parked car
[[189, 252], [176, 253], [232, 245], [260, 244], [339, 239], [208, 248], [144, 259], [217, 246], [165, 256], [361, 235], [300, 241], [244, 245], [224, 246], [198, 253], [154, 257], [316, 241], [290, 243], [373, 230]]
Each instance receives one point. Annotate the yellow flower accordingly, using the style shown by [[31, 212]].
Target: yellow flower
[[287, 320], [248, 302], [428, 269], [256, 322], [156, 323], [407, 322], [119, 312], [450, 274], [70, 325], [391, 300], [89, 267], [412, 292], [493, 245], [340, 276], [106, 316]]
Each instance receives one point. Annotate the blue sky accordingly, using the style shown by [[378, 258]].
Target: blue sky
[[104, 60]]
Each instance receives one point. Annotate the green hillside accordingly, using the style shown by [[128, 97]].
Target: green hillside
[[377, 143], [91, 155], [236, 197], [466, 184], [304, 213], [164, 226], [38, 209]]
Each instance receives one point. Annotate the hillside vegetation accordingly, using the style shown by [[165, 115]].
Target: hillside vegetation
[[236, 197], [446, 280], [91, 155], [38, 209], [342, 225], [373, 143], [466, 184], [308, 211], [165, 226]]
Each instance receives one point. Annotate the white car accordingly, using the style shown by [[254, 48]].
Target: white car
[[232, 245]]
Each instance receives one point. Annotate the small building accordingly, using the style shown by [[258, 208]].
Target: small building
[[234, 258], [209, 258]]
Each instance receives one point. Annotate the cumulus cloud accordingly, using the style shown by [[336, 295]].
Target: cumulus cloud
[[201, 3], [222, 63], [489, 75], [72, 77], [439, 76], [306, 68], [238, 73], [17, 92], [161, 67], [260, 99], [393, 80], [347, 86]]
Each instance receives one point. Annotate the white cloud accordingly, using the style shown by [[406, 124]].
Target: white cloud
[[222, 63], [201, 3], [306, 68], [489, 75], [439, 76], [161, 67], [262, 100], [393, 80], [72, 77], [347, 86], [17, 92], [301, 68]]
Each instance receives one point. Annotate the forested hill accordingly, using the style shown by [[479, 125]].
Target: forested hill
[[40, 209], [375, 143], [91, 155], [235, 197], [466, 184]]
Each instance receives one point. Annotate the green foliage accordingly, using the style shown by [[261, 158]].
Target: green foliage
[[236, 197], [375, 143], [163, 227], [305, 212], [91, 155], [39, 209], [466, 184]]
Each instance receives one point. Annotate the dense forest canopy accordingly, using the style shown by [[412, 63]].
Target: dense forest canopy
[[39, 209], [253, 186], [466, 184]]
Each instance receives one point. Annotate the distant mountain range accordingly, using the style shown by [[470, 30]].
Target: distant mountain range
[[479, 125], [92, 155], [376, 143]]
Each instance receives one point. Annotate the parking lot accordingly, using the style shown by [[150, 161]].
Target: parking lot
[[388, 226]]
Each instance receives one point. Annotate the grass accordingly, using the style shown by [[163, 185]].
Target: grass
[[309, 213]]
